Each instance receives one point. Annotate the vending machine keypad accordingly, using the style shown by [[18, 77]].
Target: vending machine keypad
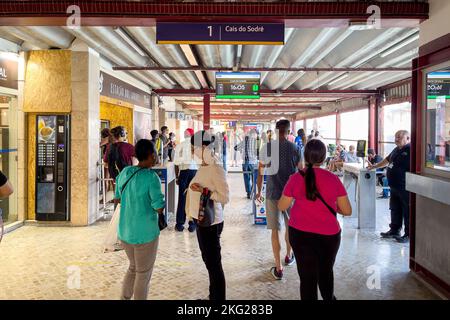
[[46, 155]]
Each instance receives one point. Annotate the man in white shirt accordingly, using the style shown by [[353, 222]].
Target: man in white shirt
[[185, 170]]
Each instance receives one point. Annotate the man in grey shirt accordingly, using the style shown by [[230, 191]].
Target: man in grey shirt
[[278, 160]]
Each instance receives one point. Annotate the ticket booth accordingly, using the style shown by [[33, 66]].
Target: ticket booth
[[429, 181]]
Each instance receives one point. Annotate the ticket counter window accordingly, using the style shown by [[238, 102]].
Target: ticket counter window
[[437, 151]]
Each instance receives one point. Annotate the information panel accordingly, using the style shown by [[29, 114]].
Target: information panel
[[438, 84], [237, 85], [219, 33]]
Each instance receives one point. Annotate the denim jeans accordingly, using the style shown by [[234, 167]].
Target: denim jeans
[[248, 176], [385, 185]]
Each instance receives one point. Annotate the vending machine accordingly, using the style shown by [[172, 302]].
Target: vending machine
[[52, 167]]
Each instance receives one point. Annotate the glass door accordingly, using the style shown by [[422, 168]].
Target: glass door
[[8, 154], [437, 151]]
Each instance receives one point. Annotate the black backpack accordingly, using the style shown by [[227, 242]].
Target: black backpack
[[115, 161]]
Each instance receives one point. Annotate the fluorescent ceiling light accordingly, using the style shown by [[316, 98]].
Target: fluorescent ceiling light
[[130, 41], [239, 51], [168, 78], [399, 46], [339, 79], [359, 25], [189, 54]]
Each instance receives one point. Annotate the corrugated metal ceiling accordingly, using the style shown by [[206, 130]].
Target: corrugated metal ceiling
[[306, 47]]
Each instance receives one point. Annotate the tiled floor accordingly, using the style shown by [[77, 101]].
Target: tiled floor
[[43, 262]]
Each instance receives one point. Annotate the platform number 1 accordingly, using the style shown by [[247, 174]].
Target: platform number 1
[[210, 31]]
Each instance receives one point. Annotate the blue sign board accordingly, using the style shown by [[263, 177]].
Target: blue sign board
[[219, 33]]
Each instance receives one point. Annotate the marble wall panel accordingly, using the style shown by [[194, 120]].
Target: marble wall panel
[[118, 116], [48, 82]]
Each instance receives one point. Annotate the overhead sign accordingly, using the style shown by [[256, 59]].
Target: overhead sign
[[117, 89], [9, 67], [237, 85], [180, 115], [219, 33], [438, 84], [171, 115]]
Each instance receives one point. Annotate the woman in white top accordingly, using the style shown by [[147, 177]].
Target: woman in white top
[[210, 175]]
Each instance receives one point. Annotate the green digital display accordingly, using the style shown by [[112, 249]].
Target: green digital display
[[237, 85], [237, 97]]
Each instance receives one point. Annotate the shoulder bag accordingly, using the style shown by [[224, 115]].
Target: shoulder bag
[[206, 211]]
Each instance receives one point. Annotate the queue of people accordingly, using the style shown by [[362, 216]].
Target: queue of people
[[299, 195]]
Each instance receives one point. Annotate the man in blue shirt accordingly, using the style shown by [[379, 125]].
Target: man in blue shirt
[[398, 163]]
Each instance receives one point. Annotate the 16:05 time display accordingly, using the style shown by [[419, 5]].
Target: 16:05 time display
[[237, 87]]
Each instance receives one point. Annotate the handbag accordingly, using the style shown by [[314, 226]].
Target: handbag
[[162, 223], [111, 233], [206, 211], [319, 196]]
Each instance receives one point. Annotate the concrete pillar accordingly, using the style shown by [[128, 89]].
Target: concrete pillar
[[85, 138], [155, 113], [21, 188]]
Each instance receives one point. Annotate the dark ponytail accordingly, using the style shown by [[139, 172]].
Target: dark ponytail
[[315, 153]]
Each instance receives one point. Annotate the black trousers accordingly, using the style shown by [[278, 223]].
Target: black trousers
[[399, 205], [184, 180], [209, 243], [315, 255]]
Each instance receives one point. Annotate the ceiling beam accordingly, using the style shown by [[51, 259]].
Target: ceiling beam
[[299, 69], [275, 93], [146, 13], [243, 117], [259, 103], [255, 107]]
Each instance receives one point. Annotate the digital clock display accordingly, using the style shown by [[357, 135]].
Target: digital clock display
[[237, 85]]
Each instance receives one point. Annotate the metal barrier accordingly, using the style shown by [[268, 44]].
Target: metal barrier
[[102, 189]]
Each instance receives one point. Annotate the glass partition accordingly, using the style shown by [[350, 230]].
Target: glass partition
[[354, 127], [395, 117], [437, 148]]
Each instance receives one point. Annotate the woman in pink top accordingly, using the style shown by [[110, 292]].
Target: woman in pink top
[[314, 231]]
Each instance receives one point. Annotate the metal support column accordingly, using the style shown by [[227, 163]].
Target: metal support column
[[372, 122], [206, 111], [338, 128]]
